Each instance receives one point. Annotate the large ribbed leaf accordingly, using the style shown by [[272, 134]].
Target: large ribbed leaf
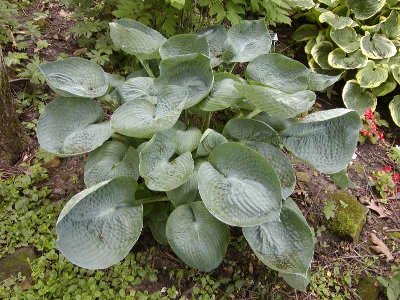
[[319, 82], [111, 160], [342, 60], [391, 26], [276, 102], [354, 97], [216, 37], [286, 245], [377, 46], [280, 72], [298, 282], [196, 237], [75, 76], [276, 123], [209, 140], [246, 41], [337, 22], [365, 9], [223, 93], [98, 227], [346, 38], [71, 126], [141, 118], [239, 186], [305, 32], [183, 44], [136, 39], [136, 88], [326, 140], [320, 52], [158, 165], [187, 138], [192, 71], [394, 107], [372, 75]]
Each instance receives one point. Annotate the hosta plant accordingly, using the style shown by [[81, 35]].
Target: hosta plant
[[150, 165], [360, 40]]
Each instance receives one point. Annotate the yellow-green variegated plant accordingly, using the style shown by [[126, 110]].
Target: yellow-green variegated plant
[[361, 39], [188, 184]]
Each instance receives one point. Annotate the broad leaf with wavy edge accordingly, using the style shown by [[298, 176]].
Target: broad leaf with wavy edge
[[138, 88], [372, 75], [337, 22], [187, 138], [111, 160], [72, 126], [75, 76], [98, 227], [216, 37], [183, 44], [365, 9], [354, 97], [391, 26], [196, 237], [377, 47], [320, 53], [326, 140], [319, 82], [394, 107], [239, 186], [246, 41], [341, 60], [346, 38], [208, 141]]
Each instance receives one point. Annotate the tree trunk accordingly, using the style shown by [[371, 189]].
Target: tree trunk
[[12, 135]]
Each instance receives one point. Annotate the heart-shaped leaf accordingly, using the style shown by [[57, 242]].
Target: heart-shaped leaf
[[183, 44], [377, 46], [391, 26], [365, 9], [372, 75], [349, 61], [208, 141], [394, 107], [337, 22], [346, 38], [354, 97], [320, 52], [138, 88], [216, 37]]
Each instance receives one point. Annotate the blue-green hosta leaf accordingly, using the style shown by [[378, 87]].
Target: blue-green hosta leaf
[[157, 166], [276, 102], [114, 80], [98, 227], [71, 126], [372, 76], [136, 39], [394, 107], [377, 46], [216, 37], [141, 118], [349, 61], [286, 245], [111, 160], [281, 164], [355, 97], [279, 72], [346, 38], [241, 130], [305, 32], [239, 186], [187, 138], [391, 26], [246, 41], [192, 71], [208, 141], [320, 53], [223, 93], [136, 88], [298, 282], [365, 9], [157, 221], [337, 22], [326, 140], [196, 237], [75, 76], [183, 44], [276, 123], [385, 88], [319, 82]]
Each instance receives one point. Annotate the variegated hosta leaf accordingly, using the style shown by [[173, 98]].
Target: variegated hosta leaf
[[183, 44], [377, 47], [391, 26], [276, 102], [279, 72], [98, 227], [305, 32], [337, 22], [396, 72], [326, 140], [192, 71], [281, 164], [311, 43], [354, 97], [385, 88], [196, 237], [223, 93], [71, 126], [209, 140], [330, 3], [187, 138], [298, 282], [138, 88], [111, 160], [246, 41], [157, 221], [75, 76], [372, 76], [342, 60], [241, 130], [365, 9], [142, 119], [394, 107], [157, 165], [239, 186], [216, 37], [319, 82], [286, 245], [320, 53], [303, 4], [346, 38], [136, 39]]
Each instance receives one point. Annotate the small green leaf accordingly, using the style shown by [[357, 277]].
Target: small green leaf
[[329, 210], [349, 61], [354, 97]]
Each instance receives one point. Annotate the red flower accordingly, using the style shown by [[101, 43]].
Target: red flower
[[396, 177], [388, 169], [380, 135], [364, 132], [369, 114]]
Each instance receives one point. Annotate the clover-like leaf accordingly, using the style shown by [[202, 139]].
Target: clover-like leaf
[[394, 107], [391, 26], [286, 245], [319, 82], [365, 9], [305, 32], [183, 44], [279, 72], [239, 186], [246, 41], [111, 160], [377, 46], [71, 126], [141, 88], [337, 22], [320, 52], [75, 76], [196, 237], [326, 140], [192, 71], [342, 60], [355, 97], [98, 227], [346, 38], [372, 75], [136, 39], [216, 37], [208, 141]]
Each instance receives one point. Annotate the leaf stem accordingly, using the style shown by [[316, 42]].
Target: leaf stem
[[152, 199], [207, 121], [233, 68], [253, 113], [146, 66]]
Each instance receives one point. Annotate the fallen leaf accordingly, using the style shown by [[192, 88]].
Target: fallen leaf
[[64, 14], [375, 206], [380, 247]]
